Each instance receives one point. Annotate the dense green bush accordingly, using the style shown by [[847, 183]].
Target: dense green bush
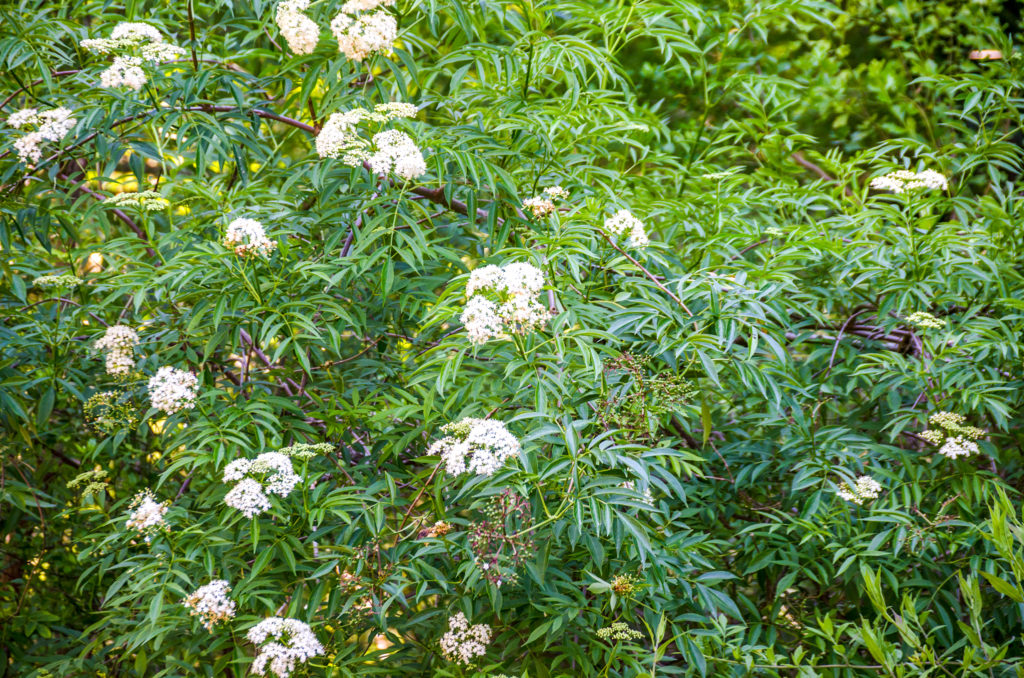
[[781, 438]]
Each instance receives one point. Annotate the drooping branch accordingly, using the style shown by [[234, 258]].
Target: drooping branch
[[55, 74], [435, 195]]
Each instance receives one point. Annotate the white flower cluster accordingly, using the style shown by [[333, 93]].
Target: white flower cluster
[[299, 30], [146, 515], [137, 43], [958, 446], [389, 151], [126, 71], [52, 125], [464, 643], [925, 321], [119, 342], [247, 238], [955, 438], [211, 603], [398, 153], [866, 487], [148, 201], [173, 390], [269, 473], [363, 29], [480, 446], [544, 204], [515, 308], [902, 181], [293, 642], [623, 221]]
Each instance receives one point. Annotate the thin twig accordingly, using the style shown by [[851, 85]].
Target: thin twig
[[192, 36], [799, 158], [647, 273]]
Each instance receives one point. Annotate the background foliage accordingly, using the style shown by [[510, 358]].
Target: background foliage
[[771, 303]]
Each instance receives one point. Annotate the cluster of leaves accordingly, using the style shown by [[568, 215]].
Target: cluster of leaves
[[686, 415]]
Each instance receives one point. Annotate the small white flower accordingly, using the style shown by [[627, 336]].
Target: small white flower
[[126, 71], [119, 342], [464, 643], [248, 497], [354, 6], [866, 487], [958, 446], [925, 321], [515, 308], [136, 32], [301, 32], [161, 51], [398, 153], [293, 642], [211, 603], [52, 125], [543, 205], [22, 118], [902, 181], [173, 390], [247, 238], [146, 515], [539, 206], [119, 362], [623, 221], [269, 473], [132, 43], [363, 36], [389, 151], [118, 338], [480, 446]]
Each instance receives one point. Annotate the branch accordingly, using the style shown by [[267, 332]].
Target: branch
[[55, 74], [804, 162], [647, 273], [435, 195], [82, 188]]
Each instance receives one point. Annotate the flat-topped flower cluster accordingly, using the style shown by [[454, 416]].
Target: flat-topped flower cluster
[[146, 514], [248, 238], [211, 603], [255, 479], [863, 489], [388, 151], [283, 643], [63, 280], [954, 437], [925, 321], [146, 201], [464, 643], [542, 205], [622, 222], [298, 30], [480, 446], [52, 125], [503, 300], [905, 181], [132, 44], [362, 28], [119, 342], [173, 390]]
